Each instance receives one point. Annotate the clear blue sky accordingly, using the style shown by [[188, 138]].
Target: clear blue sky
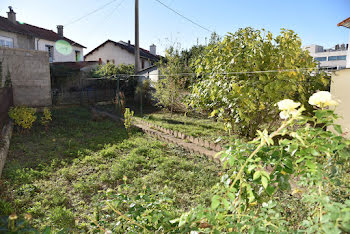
[[314, 20]]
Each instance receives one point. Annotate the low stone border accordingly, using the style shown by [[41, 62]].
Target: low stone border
[[165, 136], [7, 134], [198, 141]]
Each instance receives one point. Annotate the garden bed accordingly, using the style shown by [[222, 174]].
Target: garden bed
[[61, 176], [194, 125]]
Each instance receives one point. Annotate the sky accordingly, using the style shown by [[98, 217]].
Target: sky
[[315, 21]]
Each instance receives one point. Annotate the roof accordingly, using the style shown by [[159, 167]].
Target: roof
[[129, 47], [345, 23], [31, 30], [149, 69]]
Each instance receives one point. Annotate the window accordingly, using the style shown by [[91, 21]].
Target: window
[[143, 64], [321, 59], [49, 48], [77, 55], [6, 42], [334, 58]]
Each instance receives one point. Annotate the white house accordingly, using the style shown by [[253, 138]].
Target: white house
[[330, 59], [152, 73], [122, 53], [15, 34]]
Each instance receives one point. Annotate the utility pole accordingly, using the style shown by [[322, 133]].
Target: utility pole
[[137, 46]]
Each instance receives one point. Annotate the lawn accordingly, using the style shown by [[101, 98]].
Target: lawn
[[192, 124], [61, 177]]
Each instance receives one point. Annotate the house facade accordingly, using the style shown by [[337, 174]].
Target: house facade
[[340, 90], [15, 34], [122, 53]]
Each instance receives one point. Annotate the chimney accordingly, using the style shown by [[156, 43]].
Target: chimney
[[129, 43], [11, 15], [153, 49], [60, 30], [342, 46], [337, 47]]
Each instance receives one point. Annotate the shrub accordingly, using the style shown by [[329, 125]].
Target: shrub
[[229, 89], [170, 88], [293, 180], [23, 116], [46, 118], [128, 116]]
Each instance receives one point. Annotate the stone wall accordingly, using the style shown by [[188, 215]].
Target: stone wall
[[30, 75]]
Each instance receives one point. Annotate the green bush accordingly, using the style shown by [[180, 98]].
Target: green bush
[[295, 179], [23, 116], [229, 89], [46, 118]]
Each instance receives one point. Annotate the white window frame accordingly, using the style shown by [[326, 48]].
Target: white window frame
[[6, 42]]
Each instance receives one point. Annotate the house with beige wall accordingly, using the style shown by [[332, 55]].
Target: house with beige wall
[[122, 53], [15, 34], [340, 87]]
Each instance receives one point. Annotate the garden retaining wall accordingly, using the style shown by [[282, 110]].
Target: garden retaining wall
[[5, 144], [29, 72]]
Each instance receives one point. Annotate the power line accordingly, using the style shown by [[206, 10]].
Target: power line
[[90, 13], [186, 18]]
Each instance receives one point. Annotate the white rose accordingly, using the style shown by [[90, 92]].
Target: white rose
[[322, 99], [287, 104]]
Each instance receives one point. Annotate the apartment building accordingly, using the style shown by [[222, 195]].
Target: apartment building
[[330, 59]]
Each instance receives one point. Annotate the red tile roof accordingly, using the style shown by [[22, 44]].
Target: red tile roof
[[345, 23], [130, 48], [33, 31]]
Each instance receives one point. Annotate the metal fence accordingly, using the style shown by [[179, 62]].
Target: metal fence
[[6, 101], [92, 91]]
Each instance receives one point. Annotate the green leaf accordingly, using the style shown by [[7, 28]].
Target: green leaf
[[215, 201], [256, 175], [337, 128], [270, 190], [264, 181]]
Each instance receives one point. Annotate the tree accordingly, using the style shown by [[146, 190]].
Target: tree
[[170, 88], [231, 91], [109, 70]]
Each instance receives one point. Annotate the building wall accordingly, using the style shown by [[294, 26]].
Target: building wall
[[340, 91], [153, 75], [19, 40], [111, 52], [318, 51], [30, 76], [348, 56], [40, 44]]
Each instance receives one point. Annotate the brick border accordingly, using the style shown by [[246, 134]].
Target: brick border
[[167, 135], [195, 140]]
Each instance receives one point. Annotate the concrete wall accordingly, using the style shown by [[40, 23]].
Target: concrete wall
[[40, 44], [114, 53], [348, 56], [19, 40], [340, 87], [30, 75]]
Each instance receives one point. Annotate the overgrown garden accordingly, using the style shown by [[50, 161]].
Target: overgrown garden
[[285, 167]]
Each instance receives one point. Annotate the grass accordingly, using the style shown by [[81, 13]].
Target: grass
[[60, 176], [192, 125]]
